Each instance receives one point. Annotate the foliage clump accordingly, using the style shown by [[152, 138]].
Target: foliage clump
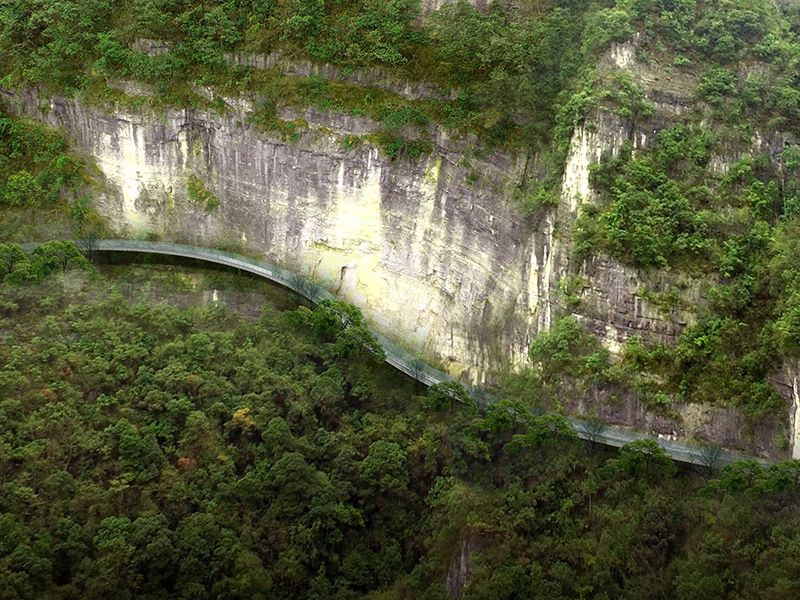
[[18, 267], [36, 164], [198, 193], [343, 325], [657, 203]]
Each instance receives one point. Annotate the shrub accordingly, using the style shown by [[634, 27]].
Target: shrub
[[199, 194], [717, 86], [22, 189]]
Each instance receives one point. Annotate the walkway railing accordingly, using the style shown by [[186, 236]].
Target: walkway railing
[[395, 355], [413, 366]]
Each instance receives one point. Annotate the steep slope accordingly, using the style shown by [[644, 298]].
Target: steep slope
[[465, 242], [411, 242]]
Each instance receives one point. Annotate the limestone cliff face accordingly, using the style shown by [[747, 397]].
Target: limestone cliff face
[[618, 301], [794, 379], [432, 250], [614, 304], [787, 381], [438, 261]]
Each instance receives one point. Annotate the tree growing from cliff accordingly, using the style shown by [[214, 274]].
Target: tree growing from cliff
[[709, 457], [344, 324]]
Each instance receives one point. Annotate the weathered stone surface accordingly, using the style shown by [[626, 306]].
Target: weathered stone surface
[[429, 6], [439, 259], [787, 382], [461, 567], [152, 47], [446, 267], [613, 304], [374, 77]]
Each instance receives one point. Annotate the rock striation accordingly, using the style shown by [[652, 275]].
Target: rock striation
[[433, 250]]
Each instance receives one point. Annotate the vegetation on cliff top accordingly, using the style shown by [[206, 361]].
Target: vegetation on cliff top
[[154, 452], [516, 73], [508, 67]]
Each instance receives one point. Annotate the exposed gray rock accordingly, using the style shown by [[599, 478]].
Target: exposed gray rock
[[787, 382], [152, 47], [461, 566], [433, 250], [374, 77]]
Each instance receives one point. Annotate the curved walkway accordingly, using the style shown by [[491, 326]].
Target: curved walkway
[[404, 361]]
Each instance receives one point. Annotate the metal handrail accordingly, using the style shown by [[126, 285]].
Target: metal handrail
[[402, 360]]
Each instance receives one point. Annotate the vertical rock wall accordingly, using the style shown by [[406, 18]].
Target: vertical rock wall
[[439, 261], [789, 383], [432, 250]]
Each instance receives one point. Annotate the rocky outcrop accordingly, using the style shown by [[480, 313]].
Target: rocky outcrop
[[374, 77], [439, 259], [461, 566], [704, 424], [794, 378], [787, 382], [433, 250], [616, 301]]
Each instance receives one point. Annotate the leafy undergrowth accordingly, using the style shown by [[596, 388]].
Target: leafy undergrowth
[[41, 180], [154, 452]]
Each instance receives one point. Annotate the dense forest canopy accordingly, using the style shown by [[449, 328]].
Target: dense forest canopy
[[158, 452]]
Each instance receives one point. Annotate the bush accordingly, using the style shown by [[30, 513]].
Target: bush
[[567, 350], [717, 86], [22, 189], [789, 325], [199, 194], [651, 218], [605, 26]]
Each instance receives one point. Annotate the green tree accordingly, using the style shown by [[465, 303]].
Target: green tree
[[22, 189], [10, 256], [644, 458], [385, 468], [58, 255], [445, 395]]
